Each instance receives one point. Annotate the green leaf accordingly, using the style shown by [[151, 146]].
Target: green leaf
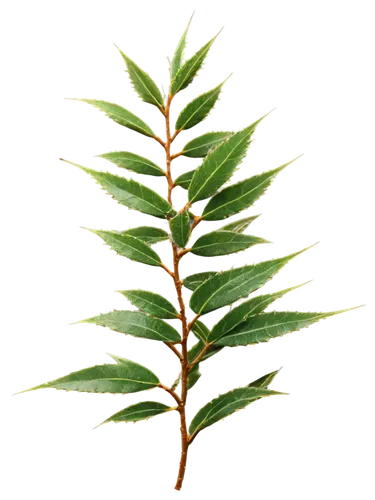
[[143, 84], [184, 179], [227, 287], [200, 146], [130, 247], [133, 162], [224, 243], [264, 381], [193, 280], [240, 225], [193, 376], [138, 411], [121, 115], [266, 326], [151, 303], [201, 331], [122, 378], [137, 324], [225, 405], [180, 228], [219, 164], [179, 52], [241, 313], [197, 349], [198, 109], [148, 234], [233, 199], [130, 193], [190, 68]]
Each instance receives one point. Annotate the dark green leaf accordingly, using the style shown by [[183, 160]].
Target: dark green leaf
[[135, 163], [264, 381], [241, 313], [117, 379], [233, 199], [266, 326], [197, 349], [201, 331], [121, 115], [198, 109], [224, 243], [227, 287], [190, 68], [143, 84], [130, 193], [200, 146], [130, 247], [219, 165], [137, 324], [151, 303], [193, 377], [240, 225], [149, 235], [225, 405], [138, 411], [184, 179], [195, 280], [179, 52], [180, 228]]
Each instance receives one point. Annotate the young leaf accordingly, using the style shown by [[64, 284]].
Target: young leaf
[[122, 378], [241, 313], [219, 165], [225, 405], [200, 146], [236, 198], [224, 243], [121, 115], [138, 411], [197, 349], [130, 247], [137, 324], [130, 193], [264, 381], [240, 225], [149, 235], [201, 331], [133, 162], [266, 326], [227, 287], [151, 303], [143, 84], [179, 52], [180, 228], [190, 68], [195, 280], [198, 109], [184, 180], [193, 376]]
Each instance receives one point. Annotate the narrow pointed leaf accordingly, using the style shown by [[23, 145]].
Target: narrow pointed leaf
[[225, 405], [201, 331], [137, 324], [264, 381], [190, 68], [138, 411], [227, 287], [151, 303], [130, 247], [224, 243], [184, 179], [198, 109], [143, 84], [180, 228], [236, 198], [133, 162], [179, 52], [202, 145], [219, 165], [121, 116], [266, 326], [122, 378], [193, 377], [240, 225], [130, 193], [241, 313], [195, 280], [197, 349], [148, 234]]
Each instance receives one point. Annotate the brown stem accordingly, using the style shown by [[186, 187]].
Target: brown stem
[[199, 357], [176, 155], [172, 393], [172, 348], [178, 285]]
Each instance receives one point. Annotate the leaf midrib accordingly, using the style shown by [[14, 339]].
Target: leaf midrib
[[210, 96]]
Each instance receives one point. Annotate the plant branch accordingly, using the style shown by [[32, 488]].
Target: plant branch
[[173, 348], [176, 155], [172, 393]]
